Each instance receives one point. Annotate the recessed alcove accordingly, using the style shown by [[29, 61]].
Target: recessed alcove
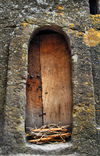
[[49, 88]]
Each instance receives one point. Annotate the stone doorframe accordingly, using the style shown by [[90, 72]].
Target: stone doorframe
[[82, 83]]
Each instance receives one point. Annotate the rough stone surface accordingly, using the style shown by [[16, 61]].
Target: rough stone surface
[[21, 20]]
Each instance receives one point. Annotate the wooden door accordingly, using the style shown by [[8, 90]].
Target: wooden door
[[34, 87], [50, 58], [56, 79]]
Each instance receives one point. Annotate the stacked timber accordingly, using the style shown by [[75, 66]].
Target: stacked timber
[[47, 134]]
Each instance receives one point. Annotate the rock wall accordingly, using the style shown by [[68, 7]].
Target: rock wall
[[21, 20]]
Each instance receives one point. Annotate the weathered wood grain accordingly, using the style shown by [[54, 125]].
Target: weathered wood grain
[[56, 79]]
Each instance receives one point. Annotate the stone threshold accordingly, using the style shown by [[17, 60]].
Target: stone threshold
[[42, 155], [50, 147]]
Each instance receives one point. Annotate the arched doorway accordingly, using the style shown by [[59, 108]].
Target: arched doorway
[[48, 89]]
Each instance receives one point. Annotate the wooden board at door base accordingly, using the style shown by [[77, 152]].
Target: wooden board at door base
[[50, 58]]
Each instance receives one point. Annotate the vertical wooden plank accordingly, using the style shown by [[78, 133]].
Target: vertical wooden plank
[[56, 79], [33, 87]]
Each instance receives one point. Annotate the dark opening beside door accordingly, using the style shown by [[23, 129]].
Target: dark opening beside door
[[49, 95]]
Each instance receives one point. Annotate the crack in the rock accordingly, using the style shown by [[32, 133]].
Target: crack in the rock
[[10, 26]]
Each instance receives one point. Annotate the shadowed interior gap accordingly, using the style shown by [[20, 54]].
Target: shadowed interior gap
[[93, 4]]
